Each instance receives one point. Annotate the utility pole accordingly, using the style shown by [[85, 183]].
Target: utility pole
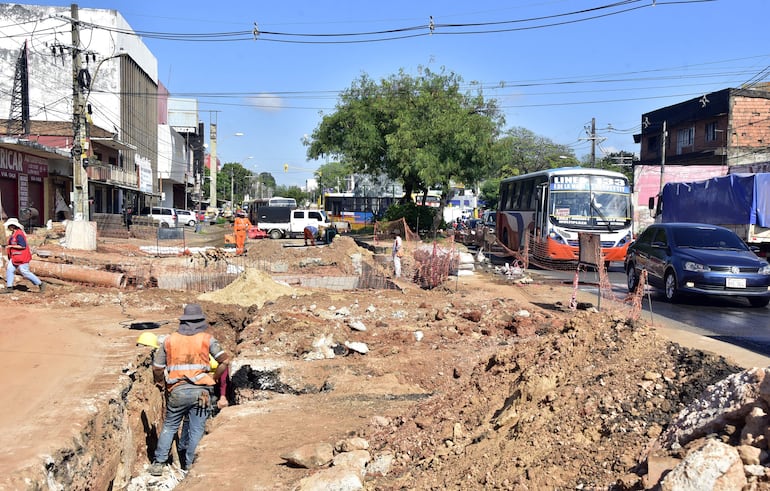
[[593, 142], [594, 139], [79, 143], [213, 166], [663, 156]]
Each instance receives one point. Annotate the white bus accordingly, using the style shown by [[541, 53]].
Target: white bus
[[553, 205]]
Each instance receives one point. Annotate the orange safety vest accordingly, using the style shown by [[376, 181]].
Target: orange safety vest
[[19, 256], [241, 224], [187, 360]]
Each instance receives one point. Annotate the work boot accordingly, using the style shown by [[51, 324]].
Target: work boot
[[42, 287], [8, 289], [155, 469]]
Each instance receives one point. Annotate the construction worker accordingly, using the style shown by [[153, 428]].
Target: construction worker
[[19, 256], [309, 233], [153, 340], [181, 366], [241, 227]]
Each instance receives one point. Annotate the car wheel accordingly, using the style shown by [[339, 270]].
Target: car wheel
[[669, 287], [632, 278], [275, 234], [163, 225], [191, 223], [759, 301]]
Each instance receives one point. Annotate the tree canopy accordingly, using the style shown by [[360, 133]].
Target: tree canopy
[[421, 130]]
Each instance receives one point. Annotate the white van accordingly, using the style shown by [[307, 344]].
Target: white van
[[167, 217]]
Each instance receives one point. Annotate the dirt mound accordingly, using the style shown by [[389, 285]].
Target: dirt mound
[[573, 407], [253, 287]]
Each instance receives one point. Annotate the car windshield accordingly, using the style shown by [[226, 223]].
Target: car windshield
[[707, 238]]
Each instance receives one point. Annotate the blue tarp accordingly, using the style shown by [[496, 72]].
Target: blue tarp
[[730, 199]]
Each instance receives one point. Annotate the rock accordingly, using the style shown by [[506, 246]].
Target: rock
[[357, 325], [311, 456], [342, 312], [357, 346], [727, 401], [351, 444], [749, 455], [355, 460], [333, 479], [380, 464], [657, 465], [753, 432], [714, 465], [380, 421], [418, 335], [472, 315]]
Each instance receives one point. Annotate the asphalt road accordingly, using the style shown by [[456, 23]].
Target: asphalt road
[[729, 320]]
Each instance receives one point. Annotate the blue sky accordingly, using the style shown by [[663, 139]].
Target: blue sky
[[551, 76]]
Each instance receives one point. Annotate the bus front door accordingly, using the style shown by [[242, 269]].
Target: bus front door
[[541, 213]]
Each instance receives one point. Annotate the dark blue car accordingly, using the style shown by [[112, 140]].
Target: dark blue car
[[693, 258]]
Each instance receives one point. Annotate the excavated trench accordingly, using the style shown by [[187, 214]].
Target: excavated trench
[[111, 450]]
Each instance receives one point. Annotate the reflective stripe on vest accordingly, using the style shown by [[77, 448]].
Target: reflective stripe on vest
[[187, 360]]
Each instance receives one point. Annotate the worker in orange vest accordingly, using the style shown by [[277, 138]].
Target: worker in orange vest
[[241, 227], [181, 366]]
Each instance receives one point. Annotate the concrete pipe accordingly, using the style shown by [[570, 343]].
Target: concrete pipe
[[79, 274]]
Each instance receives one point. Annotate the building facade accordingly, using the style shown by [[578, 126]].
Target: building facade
[[712, 135], [123, 142]]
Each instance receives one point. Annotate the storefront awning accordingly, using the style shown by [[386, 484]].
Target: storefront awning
[[34, 148], [113, 143]]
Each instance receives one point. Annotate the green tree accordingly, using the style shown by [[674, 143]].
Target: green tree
[[619, 162], [333, 175], [233, 180], [420, 130], [521, 151], [295, 192], [490, 192]]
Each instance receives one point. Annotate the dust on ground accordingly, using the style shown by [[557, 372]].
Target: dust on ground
[[503, 387]]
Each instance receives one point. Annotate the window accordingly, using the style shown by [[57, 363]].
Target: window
[[711, 132], [684, 138], [653, 144]]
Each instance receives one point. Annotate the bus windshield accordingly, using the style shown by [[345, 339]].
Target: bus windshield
[[598, 203]]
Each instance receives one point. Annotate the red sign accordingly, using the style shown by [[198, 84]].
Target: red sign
[[13, 163], [207, 161]]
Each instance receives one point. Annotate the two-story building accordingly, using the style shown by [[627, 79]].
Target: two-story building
[[712, 135]]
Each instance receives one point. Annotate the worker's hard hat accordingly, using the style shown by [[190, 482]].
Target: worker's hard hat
[[148, 339]]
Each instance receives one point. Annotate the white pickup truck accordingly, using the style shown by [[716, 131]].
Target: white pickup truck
[[280, 221]]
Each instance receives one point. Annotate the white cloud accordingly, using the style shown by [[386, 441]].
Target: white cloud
[[266, 102]]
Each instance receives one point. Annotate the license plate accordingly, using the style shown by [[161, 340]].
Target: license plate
[[736, 282]]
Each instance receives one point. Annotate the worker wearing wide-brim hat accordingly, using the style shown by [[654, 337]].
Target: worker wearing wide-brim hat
[[181, 366], [19, 255]]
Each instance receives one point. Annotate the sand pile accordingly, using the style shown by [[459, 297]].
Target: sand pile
[[253, 287]]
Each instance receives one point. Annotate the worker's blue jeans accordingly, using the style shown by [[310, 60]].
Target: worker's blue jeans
[[184, 401], [23, 269]]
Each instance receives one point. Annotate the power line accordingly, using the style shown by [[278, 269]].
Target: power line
[[396, 33]]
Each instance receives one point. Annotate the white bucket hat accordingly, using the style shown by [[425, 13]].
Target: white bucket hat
[[14, 222]]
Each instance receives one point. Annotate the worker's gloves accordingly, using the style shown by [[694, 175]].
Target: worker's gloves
[[204, 404]]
